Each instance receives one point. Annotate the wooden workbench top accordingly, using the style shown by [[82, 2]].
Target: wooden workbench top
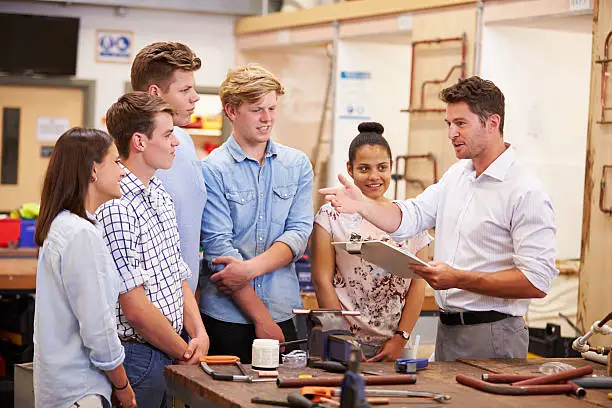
[[18, 269], [18, 274], [439, 377]]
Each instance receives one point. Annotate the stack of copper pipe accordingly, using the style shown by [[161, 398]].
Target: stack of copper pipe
[[512, 384]]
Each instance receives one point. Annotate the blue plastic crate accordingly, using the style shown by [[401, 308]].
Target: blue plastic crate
[[26, 237]]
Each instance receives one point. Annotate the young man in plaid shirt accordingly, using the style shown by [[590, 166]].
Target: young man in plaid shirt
[[140, 229]]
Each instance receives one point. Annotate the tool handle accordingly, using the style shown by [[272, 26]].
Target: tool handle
[[259, 400], [378, 401], [222, 377], [331, 366], [297, 400], [220, 359]]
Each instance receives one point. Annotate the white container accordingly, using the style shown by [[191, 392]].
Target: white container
[[265, 354]]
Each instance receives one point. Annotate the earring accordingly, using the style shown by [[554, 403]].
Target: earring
[[94, 179]]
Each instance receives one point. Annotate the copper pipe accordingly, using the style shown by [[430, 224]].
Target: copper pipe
[[440, 81], [506, 378], [577, 390], [337, 380], [503, 389], [463, 39], [604, 80], [602, 192], [554, 378], [605, 319], [405, 158]]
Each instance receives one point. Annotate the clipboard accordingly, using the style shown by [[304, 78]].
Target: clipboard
[[392, 259]]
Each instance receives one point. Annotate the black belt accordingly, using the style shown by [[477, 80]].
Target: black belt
[[465, 318]]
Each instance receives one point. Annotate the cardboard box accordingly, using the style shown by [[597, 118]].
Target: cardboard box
[[24, 385]]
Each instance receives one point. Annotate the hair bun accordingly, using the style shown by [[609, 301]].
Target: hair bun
[[371, 127]]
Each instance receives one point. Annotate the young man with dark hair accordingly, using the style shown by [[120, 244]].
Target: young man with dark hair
[[495, 230], [256, 222], [155, 301], [166, 69]]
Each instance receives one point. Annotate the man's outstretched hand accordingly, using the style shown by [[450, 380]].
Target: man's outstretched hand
[[345, 199]]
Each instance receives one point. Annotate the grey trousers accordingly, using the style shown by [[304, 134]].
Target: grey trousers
[[506, 338]]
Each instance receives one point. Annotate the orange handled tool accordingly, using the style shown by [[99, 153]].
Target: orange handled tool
[[219, 359], [245, 377], [315, 393]]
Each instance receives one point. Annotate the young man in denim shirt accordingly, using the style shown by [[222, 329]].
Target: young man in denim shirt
[[256, 221]]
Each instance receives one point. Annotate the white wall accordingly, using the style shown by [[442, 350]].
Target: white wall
[[544, 72], [210, 36], [387, 94]]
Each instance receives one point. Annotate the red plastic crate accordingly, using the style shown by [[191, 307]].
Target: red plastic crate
[[10, 229]]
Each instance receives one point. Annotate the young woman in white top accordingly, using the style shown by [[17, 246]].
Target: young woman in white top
[[78, 358], [389, 305]]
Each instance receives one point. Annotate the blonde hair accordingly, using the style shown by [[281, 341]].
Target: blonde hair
[[248, 83]]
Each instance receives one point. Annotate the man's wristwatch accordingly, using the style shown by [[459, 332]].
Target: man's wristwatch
[[405, 335]]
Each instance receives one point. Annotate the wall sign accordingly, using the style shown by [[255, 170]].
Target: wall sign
[[45, 151], [114, 46], [354, 100], [50, 129]]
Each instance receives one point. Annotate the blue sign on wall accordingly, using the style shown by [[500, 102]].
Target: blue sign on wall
[[114, 46]]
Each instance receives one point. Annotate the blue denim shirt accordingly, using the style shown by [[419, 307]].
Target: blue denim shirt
[[185, 184], [249, 208]]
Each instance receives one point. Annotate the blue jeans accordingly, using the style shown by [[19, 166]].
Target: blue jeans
[[144, 366]]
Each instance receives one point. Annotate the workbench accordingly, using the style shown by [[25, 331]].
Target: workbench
[[192, 386], [18, 270]]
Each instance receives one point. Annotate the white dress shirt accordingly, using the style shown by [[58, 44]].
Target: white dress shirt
[[500, 220]]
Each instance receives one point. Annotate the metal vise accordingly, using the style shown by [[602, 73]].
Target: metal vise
[[329, 338]]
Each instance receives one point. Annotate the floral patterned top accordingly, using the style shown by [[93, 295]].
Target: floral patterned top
[[363, 286]]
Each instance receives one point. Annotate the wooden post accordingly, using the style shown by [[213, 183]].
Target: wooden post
[[594, 300]]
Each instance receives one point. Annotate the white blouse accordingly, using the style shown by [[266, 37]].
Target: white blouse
[[362, 286]]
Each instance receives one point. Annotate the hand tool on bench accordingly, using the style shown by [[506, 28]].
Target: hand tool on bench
[[397, 379], [244, 377], [294, 399], [315, 392], [352, 389], [410, 365]]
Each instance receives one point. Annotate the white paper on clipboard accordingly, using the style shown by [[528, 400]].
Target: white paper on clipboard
[[392, 259]]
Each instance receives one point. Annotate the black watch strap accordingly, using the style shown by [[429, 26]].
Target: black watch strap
[[404, 334]]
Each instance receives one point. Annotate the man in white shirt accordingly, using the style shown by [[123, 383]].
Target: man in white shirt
[[495, 230]]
